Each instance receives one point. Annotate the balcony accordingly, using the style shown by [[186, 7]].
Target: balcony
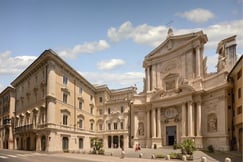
[[25, 128]]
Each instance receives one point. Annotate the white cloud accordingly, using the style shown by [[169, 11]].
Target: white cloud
[[14, 65], [142, 34], [86, 48], [1, 87], [198, 15], [115, 79], [110, 64]]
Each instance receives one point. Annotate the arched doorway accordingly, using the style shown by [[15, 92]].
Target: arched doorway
[[65, 143], [43, 143], [109, 141], [121, 141]]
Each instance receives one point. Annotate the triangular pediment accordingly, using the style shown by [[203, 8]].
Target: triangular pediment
[[174, 43]]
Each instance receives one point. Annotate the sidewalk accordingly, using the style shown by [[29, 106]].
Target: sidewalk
[[112, 155]]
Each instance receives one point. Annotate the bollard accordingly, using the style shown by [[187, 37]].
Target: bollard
[[140, 155], [183, 157], [153, 156], [227, 159], [122, 154], [203, 159], [167, 157]]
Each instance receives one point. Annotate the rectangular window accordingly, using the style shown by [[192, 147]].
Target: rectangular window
[[122, 125], [80, 106], [80, 90], [122, 109], [100, 111], [239, 93], [100, 99], [43, 92], [109, 110], [239, 110], [91, 126], [80, 124], [109, 126], [64, 98], [239, 74], [100, 126], [115, 126], [81, 143], [64, 119], [91, 110], [91, 98], [65, 80]]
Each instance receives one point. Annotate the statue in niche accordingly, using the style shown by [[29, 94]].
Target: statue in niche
[[212, 122], [140, 129]]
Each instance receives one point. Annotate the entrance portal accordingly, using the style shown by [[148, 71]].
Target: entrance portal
[[170, 135]]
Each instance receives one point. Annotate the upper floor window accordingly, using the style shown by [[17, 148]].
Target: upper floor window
[[100, 126], [65, 119], [239, 74], [91, 110], [122, 109], [239, 110], [80, 123], [239, 93], [36, 80], [122, 125], [91, 126], [100, 111], [115, 126], [100, 99], [91, 97], [80, 106], [109, 111], [65, 98], [80, 90], [65, 80], [109, 126]]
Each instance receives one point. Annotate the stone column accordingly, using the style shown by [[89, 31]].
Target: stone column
[[153, 123], [183, 120], [147, 79], [51, 92], [148, 124], [51, 110], [198, 62], [51, 79], [190, 125], [158, 124], [153, 77], [199, 119], [135, 126]]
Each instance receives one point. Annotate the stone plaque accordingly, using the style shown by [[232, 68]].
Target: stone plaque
[[170, 112]]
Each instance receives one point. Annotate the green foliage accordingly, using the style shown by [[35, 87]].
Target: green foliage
[[187, 147], [160, 156], [211, 148], [97, 145]]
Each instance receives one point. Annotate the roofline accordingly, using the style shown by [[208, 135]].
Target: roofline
[[51, 53], [235, 65], [6, 89]]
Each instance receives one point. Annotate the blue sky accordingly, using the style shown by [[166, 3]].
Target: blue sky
[[107, 40]]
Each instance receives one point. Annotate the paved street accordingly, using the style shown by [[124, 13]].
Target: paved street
[[131, 155]]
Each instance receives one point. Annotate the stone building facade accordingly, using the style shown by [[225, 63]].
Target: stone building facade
[[7, 105], [235, 109], [181, 100], [53, 108], [59, 110]]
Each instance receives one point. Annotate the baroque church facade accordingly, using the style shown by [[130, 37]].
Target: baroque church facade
[[180, 99]]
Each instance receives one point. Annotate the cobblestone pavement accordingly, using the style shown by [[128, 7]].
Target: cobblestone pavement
[[132, 156]]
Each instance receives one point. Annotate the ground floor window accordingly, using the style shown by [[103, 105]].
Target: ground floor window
[[65, 143], [81, 143], [43, 143]]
